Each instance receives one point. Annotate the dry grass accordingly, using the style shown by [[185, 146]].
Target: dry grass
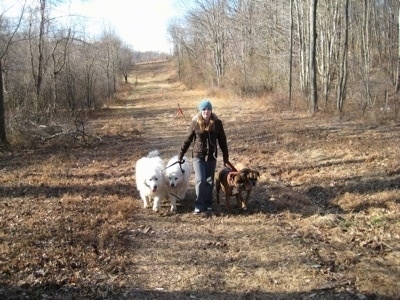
[[323, 222]]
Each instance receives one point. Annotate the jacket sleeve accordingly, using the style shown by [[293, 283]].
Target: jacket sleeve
[[186, 143], [223, 143]]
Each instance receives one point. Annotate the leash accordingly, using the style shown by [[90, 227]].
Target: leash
[[230, 177], [176, 197], [177, 162]]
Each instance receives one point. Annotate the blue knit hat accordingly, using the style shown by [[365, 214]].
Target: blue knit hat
[[205, 104]]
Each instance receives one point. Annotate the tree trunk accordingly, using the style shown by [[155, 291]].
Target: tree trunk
[[341, 95], [291, 53], [397, 88], [396, 105], [3, 138], [37, 70], [313, 68], [301, 33]]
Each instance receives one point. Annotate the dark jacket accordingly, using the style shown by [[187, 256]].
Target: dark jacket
[[205, 142]]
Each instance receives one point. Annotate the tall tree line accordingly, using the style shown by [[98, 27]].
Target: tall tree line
[[335, 54], [51, 69]]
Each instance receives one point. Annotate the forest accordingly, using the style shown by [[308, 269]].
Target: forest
[[335, 56]]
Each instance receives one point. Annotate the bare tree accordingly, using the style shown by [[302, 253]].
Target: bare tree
[[59, 53], [327, 45], [126, 61], [291, 54], [175, 31], [365, 53], [398, 65], [342, 76], [8, 38], [37, 48], [207, 19], [302, 35], [312, 59]]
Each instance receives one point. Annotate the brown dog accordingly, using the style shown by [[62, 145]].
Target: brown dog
[[233, 183], [251, 174]]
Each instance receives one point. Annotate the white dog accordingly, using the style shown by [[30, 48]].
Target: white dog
[[150, 180], [178, 179]]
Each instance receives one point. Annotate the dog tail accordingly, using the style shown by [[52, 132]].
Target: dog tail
[[153, 153]]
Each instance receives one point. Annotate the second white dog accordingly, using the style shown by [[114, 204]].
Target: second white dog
[[150, 180], [178, 179]]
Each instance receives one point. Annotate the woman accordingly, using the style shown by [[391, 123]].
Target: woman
[[205, 131]]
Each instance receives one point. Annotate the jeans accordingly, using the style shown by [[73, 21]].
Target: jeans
[[204, 172]]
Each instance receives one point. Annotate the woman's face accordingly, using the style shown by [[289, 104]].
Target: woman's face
[[206, 113]]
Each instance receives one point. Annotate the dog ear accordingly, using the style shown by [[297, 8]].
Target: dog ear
[[244, 172]]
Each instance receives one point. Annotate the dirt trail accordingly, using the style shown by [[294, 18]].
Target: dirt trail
[[154, 101], [322, 222]]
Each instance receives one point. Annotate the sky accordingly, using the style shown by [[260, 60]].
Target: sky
[[139, 23]]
